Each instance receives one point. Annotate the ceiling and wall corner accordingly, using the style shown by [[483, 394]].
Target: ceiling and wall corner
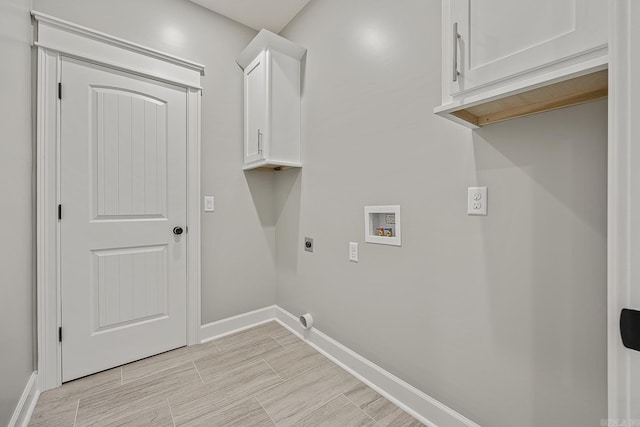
[[273, 15]]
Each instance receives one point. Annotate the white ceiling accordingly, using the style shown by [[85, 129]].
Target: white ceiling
[[273, 15]]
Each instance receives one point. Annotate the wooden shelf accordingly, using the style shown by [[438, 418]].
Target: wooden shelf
[[266, 165], [577, 90], [272, 168]]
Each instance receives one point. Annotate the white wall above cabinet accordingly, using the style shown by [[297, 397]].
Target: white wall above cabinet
[[272, 66], [499, 56]]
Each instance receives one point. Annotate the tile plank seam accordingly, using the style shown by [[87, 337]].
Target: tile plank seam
[[359, 408], [278, 342], [266, 412], [75, 417], [274, 371], [196, 368], [173, 420]]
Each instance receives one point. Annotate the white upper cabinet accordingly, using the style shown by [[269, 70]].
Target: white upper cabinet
[[271, 67], [255, 101], [499, 48]]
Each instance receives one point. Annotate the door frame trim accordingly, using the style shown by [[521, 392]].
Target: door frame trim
[[619, 207], [53, 40]]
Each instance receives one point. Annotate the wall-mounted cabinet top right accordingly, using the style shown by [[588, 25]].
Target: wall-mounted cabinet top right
[[503, 59]]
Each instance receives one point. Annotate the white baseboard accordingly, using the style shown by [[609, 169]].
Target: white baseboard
[[26, 404], [230, 325], [416, 403]]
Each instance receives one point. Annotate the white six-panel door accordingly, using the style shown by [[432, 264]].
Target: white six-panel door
[[123, 190]]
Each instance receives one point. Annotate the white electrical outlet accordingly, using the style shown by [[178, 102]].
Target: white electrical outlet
[[353, 251], [209, 204], [477, 201]]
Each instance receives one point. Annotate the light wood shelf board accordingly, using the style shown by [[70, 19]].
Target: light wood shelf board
[[578, 90], [274, 168]]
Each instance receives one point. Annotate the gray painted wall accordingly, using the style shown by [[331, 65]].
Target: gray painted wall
[[17, 206], [238, 241], [503, 318]]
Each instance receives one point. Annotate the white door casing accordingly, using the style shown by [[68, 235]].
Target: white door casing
[[57, 40], [122, 190], [624, 209]]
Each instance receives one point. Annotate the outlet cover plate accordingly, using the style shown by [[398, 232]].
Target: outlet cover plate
[[353, 252], [477, 201], [308, 244], [209, 204]]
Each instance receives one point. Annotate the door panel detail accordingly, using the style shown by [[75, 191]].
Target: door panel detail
[[129, 133], [130, 285]]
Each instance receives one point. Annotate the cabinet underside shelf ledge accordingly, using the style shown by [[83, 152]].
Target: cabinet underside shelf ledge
[[573, 91], [272, 165]]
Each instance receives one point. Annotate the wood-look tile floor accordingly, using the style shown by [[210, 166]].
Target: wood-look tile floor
[[262, 376]]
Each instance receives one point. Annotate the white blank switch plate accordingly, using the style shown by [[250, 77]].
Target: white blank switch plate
[[353, 251], [209, 204], [477, 201]]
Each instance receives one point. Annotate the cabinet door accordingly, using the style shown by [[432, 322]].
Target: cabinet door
[[504, 38], [255, 109]]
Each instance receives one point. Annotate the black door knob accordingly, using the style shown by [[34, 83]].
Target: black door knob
[[177, 231], [630, 328]]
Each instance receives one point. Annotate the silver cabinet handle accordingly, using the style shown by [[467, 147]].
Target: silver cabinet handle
[[454, 51], [259, 142]]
